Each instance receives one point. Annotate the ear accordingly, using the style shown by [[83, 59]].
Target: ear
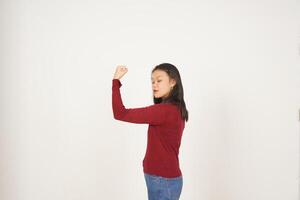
[[173, 82]]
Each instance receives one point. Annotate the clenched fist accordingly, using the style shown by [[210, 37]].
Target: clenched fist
[[120, 71]]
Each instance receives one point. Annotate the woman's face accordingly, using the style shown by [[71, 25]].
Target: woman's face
[[161, 84]]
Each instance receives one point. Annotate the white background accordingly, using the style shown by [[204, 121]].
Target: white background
[[240, 68]]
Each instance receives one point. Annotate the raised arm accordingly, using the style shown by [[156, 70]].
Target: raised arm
[[153, 114]]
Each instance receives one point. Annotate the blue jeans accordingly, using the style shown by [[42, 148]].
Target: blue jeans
[[161, 188]]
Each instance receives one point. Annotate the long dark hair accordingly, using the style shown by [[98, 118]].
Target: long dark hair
[[176, 95]]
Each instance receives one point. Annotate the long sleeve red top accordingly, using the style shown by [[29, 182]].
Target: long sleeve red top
[[164, 132]]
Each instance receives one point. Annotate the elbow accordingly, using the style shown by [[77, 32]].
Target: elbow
[[116, 116], [115, 113], [120, 116]]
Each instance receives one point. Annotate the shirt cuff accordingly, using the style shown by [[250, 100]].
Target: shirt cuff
[[116, 82]]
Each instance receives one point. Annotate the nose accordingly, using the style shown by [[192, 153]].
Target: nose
[[154, 86]]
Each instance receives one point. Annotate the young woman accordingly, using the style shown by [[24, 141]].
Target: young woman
[[166, 119]]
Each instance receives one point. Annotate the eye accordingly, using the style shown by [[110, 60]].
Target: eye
[[157, 81]]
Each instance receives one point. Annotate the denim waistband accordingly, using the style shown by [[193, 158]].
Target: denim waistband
[[156, 176]]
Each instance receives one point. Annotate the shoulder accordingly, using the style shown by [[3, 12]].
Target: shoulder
[[160, 106], [170, 108], [164, 105]]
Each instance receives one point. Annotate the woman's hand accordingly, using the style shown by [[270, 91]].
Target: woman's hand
[[120, 71]]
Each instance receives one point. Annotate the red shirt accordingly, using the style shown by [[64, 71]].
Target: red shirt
[[164, 132]]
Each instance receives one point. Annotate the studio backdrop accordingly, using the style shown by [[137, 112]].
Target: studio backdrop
[[239, 64]]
